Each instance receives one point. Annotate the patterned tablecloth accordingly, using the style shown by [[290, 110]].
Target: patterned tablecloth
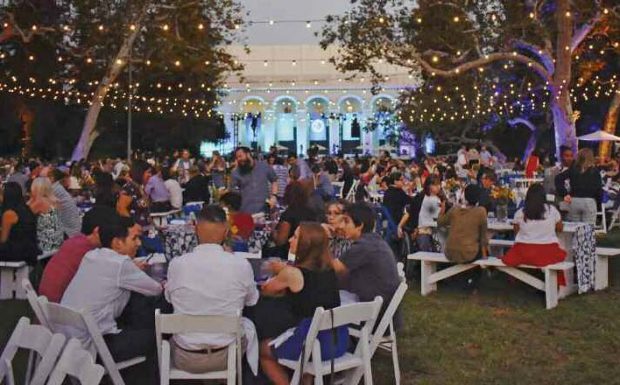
[[181, 239]]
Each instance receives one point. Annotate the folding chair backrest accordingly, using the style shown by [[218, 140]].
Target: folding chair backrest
[[388, 316], [185, 323], [357, 313], [82, 326], [77, 363], [34, 338], [31, 295]]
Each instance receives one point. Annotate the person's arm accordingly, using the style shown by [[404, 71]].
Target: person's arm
[[123, 203], [252, 294], [444, 219], [9, 218], [289, 278], [280, 235], [402, 223], [559, 181], [340, 268], [134, 279], [484, 240]]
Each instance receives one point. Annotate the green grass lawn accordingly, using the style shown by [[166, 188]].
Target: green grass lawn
[[500, 335]]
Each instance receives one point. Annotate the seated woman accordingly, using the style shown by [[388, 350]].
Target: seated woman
[[244, 222], [18, 238], [43, 204], [467, 236], [310, 283], [338, 244], [131, 200], [298, 210], [536, 242]]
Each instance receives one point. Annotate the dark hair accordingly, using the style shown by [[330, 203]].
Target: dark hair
[[292, 155], [430, 180], [138, 168], [472, 194], [58, 174], [535, 201], [244, 149], [213, 214], [294, 172], [111, 231], [98, 216], [13, 197], [565, 148], [296, 194], [232, 199], [361, 214]]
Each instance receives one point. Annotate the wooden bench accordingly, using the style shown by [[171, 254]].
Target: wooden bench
[[602, 266], [11, 276], [430, 276]]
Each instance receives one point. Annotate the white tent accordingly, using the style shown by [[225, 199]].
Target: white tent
[[319, 147], [279, 147], [599, 136]]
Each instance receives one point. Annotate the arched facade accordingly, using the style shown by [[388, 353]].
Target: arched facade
[[298, 119]]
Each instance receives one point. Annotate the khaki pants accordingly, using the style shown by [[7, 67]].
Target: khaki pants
[[198, 362]]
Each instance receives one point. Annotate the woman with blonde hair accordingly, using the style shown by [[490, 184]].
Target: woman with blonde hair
[[296, 292], [44, 204], [586, 188]]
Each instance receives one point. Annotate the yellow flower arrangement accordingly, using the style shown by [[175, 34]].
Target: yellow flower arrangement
[[502, 194]]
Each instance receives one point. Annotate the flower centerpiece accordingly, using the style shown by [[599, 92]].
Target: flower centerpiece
[[502, 196]]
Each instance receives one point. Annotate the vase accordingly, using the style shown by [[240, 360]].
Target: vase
[[501, 212]]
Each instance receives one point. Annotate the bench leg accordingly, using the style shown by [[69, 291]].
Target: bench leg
[[7, 282], [602, 273], [428, 269], [551, 288]]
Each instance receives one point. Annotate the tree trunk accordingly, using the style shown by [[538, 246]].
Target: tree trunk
[[611, 122], [561, 107], [26, 116], [531, 143], [89, 129]]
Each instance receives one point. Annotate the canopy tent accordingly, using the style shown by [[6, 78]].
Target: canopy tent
[[599, 136], [319, 147], [280, 147]]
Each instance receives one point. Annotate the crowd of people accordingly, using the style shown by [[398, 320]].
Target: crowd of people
[[327, 244]]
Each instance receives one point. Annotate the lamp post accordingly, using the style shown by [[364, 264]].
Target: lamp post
[[236, 118], [129, 101]]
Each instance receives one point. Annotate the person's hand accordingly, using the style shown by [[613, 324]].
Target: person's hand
[[275, 266], [329, 228], [399, 232], [140, 263], [568, 199], [273, 201]]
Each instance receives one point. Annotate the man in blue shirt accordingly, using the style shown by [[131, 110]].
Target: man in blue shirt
[[255, 180]]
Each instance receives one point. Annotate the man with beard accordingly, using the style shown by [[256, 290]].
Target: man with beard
[[255, 180]]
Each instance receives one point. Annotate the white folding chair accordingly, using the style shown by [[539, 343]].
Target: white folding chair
[[351, 193], [35, 338], [73, 323], [310, 361], [183, 323], [384, 336], [31, 296], [615, 218], [78, 364], [602, 227]]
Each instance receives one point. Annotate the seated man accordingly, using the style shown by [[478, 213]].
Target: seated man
[[61, 268], [103, 286], [487, 182], [197, 188], [368, 268], [210, 281]]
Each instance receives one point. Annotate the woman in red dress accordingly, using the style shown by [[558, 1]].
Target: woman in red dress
[[535, 225]]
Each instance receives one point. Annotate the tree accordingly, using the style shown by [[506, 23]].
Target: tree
[[450, 38], [175, 48]]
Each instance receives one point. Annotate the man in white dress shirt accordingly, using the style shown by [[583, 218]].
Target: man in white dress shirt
[[210, 281], [103, 285]]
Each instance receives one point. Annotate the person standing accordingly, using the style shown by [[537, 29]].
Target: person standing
[[217, 169], [182, 166], [586, 188], [157, 192], [255, 180]]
